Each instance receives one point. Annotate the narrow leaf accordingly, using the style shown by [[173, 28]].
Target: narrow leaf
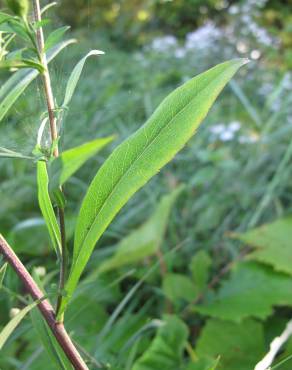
[[48, 6], [141, 156], [10, 327], [71, 160], [55, 37], [46, 206], [75, 75], [7, 153], [18, 82]]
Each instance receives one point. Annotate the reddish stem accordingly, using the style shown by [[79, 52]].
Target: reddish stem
[[44, 306]]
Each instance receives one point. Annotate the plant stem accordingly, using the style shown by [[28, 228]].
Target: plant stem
[[54, 136], [44, 306]]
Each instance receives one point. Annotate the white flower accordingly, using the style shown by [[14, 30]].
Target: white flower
[[203, 37], [226, 135], [217, 129], [234, 126], [164, 43], [255, 54], [180, 53]]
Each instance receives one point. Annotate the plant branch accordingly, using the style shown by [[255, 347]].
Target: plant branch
[[275, 346], [54, 136], [44, 306]]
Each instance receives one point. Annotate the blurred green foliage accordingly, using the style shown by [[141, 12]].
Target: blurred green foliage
[[237, 174]]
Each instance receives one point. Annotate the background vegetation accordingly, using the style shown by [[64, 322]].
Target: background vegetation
[[207, 281]]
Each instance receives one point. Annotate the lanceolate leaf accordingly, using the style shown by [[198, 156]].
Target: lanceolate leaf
[[75, 75], [46, 205], [141, 156], [9, 328], [71, 160], [18, 82], [55, 37]]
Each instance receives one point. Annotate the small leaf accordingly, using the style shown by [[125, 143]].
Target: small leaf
[[55, 37], [141, 156], [199, 267], [177, 286], [41, 23], [144, 241], [18, 82], [75, 75], [10, 327], [46, 206], [69, 161], [48, 6], [252, 290], [7, 153], [272, 244], [22, 63], [240, 346], [2, 273], [166, 350]]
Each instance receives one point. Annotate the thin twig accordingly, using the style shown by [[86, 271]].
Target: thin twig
[[275, 346], [54, 136], [44, 306]]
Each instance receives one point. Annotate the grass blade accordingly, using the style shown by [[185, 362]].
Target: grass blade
[[10, 327], [75, 75]]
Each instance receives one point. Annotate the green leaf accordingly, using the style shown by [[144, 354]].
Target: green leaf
[[55, 37], [5, 17], [71, 160], [2, 273], [18, 82], [141, 156], [272, 243], [7, 153], [199, 267], [48, 6], [177, 286], [251, 290], [166, 350], [75, 75], [146, 240], [46, 206], [240, 346], [10, 327], [22, 63]]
